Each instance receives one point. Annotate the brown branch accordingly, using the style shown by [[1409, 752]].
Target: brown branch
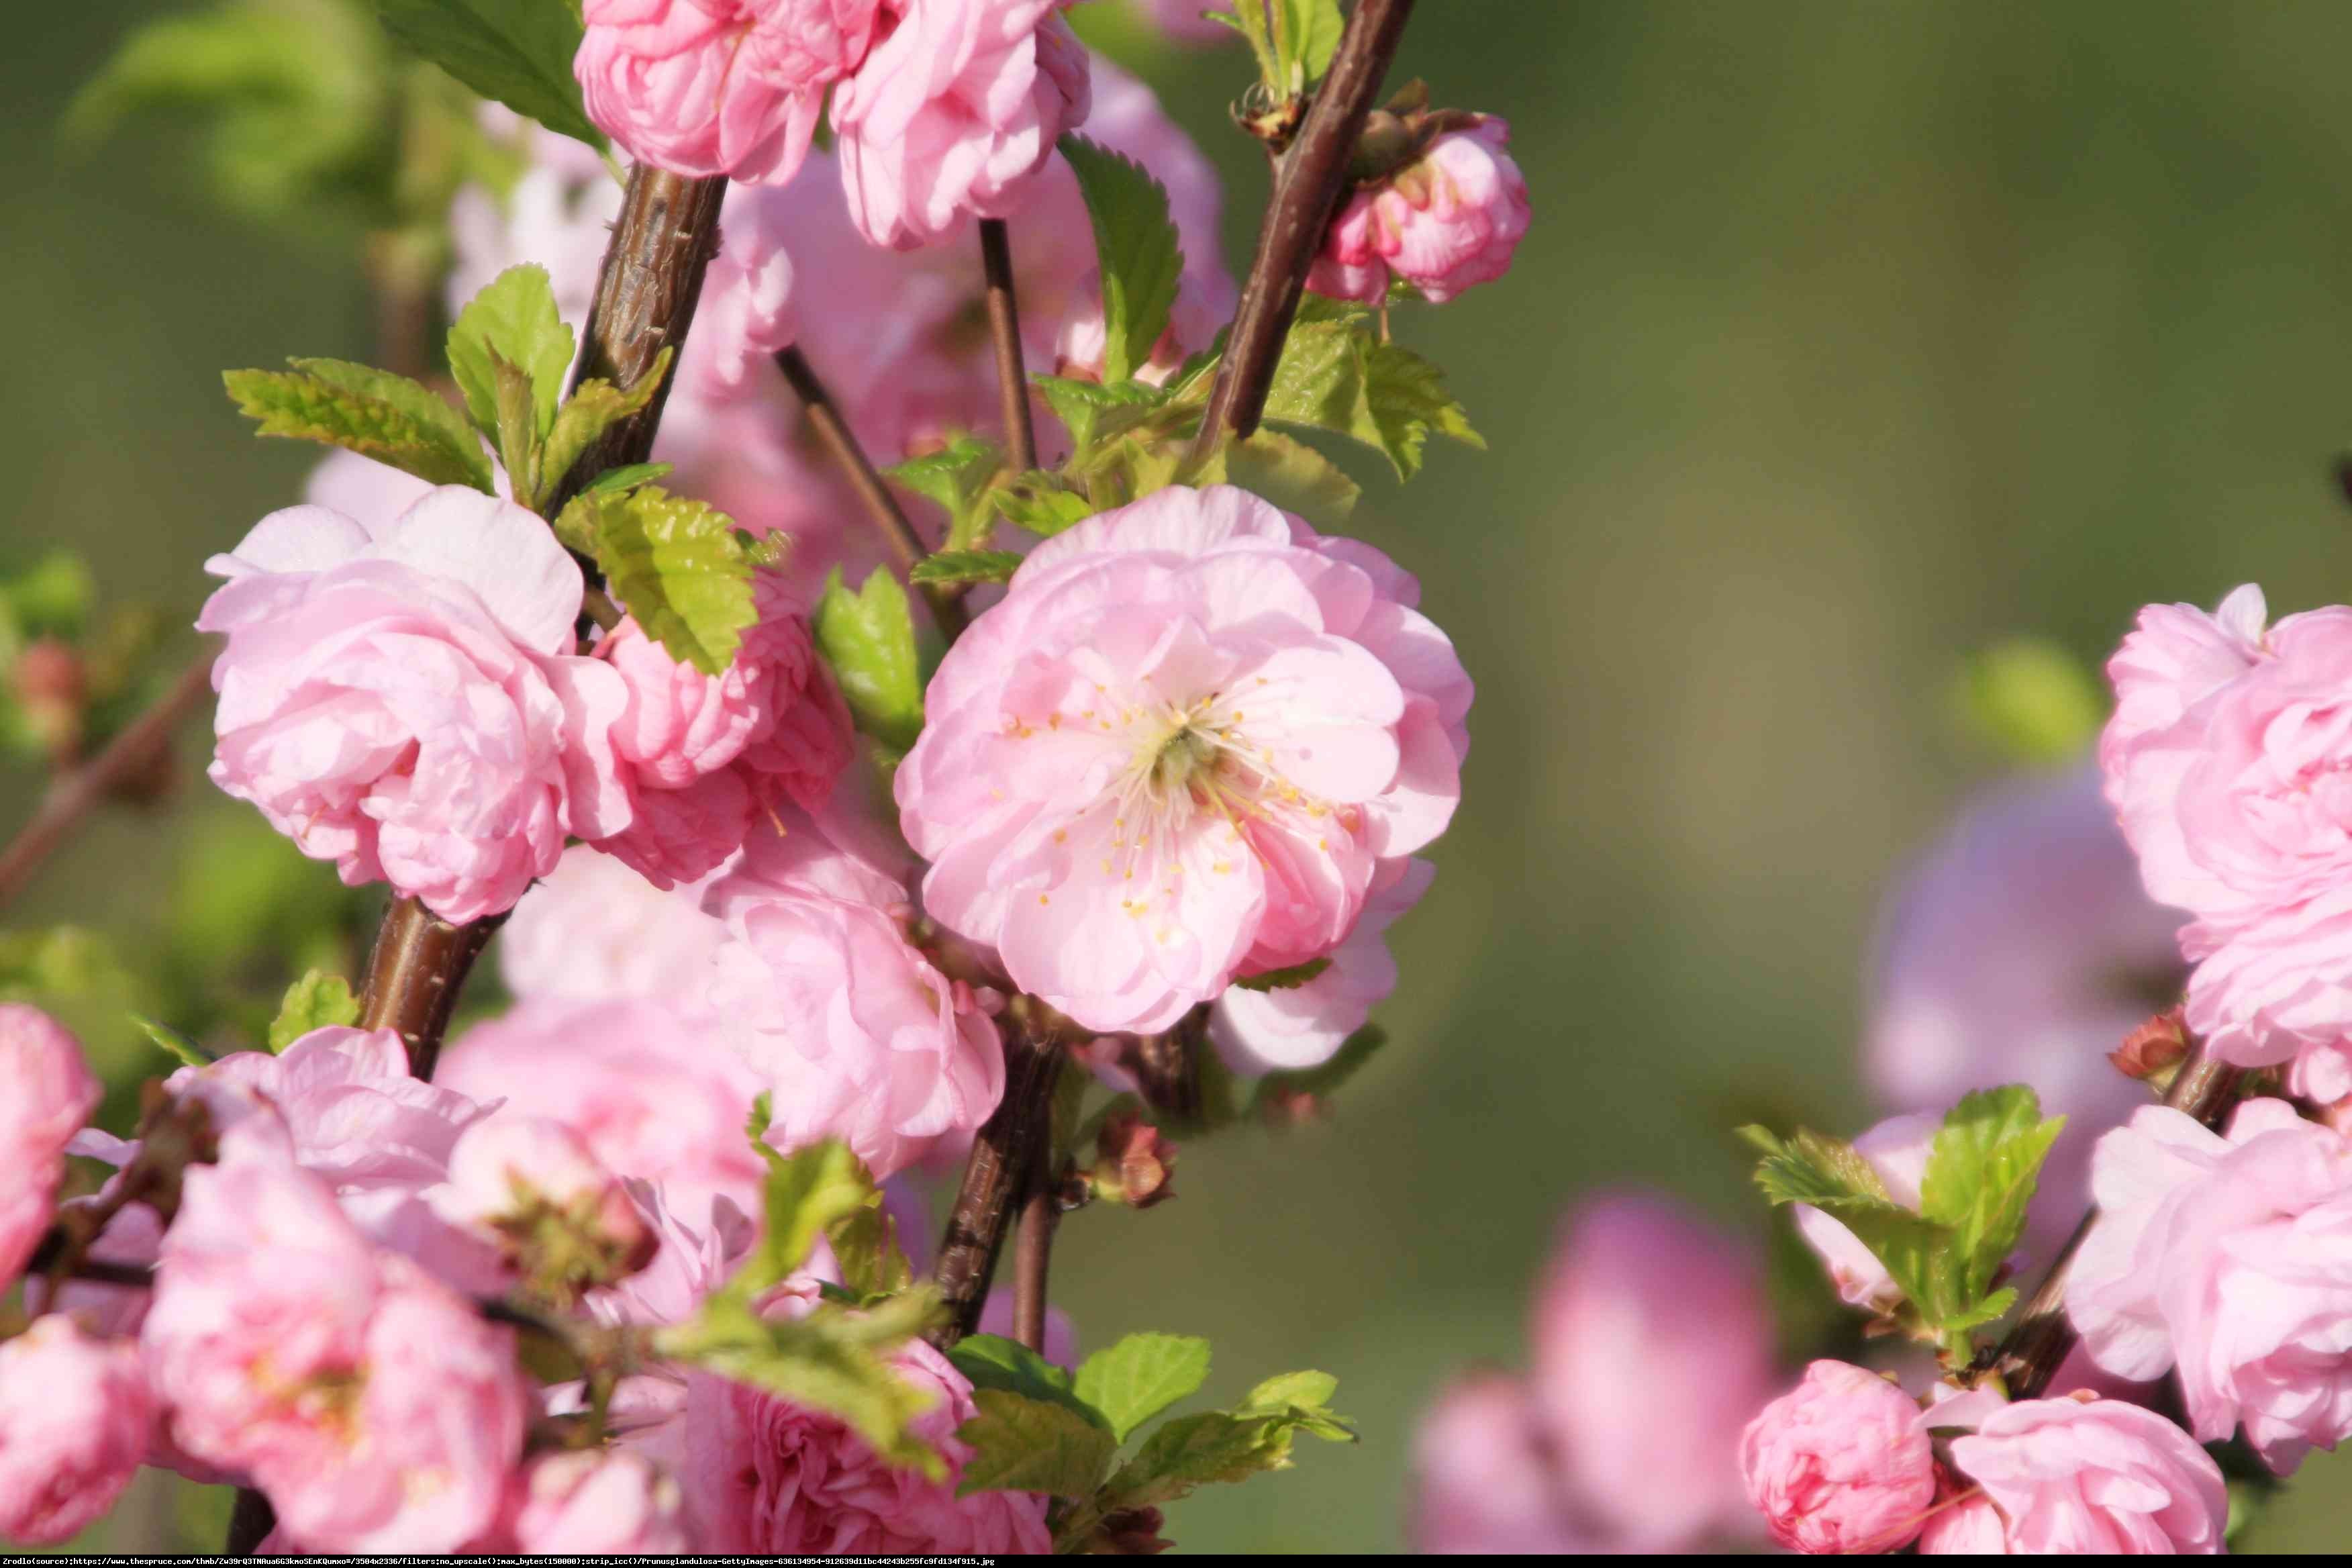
[[996, 1175], [906, 545], [419, 965], [1004, 333], [74, 792], [1308, 184], [1033, 1253], [2037, 1345]]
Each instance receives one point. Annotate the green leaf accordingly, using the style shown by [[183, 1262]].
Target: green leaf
[[1136, 250], [1284, 979], [173, 1042], [868, 638], [513, 318], [1021, 1445], [1097, 411], [1335, 375], [991, 1360], [317, 1001], [866, 1244], [1922, 1255], [1293, 476], [387, 423], [1310, 34], [961, 566], [1039, 501], [413, 398], [804, 1194], [957, 477], [676, 564], [1190, 1451], [594, 407], [1142, 1375], [1981, 1173], [624, 478], [519, 52]]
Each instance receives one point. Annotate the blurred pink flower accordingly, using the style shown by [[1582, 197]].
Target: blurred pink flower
[[602, 1503], [1449, 220], [1485, 1482], [1839, 1463], [45, 1094], [718, 87], [405, 702], [1177, 750], [593, 931], [74, 1418], [1897, 1149], [506, 1173], [2229, 1259], [1304, 1026], [1186, 20], [958, 101], [2078, 1477]]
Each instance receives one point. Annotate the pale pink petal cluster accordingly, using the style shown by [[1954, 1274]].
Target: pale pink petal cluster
[[718, 86], [402, 700], [1179, 751], [2227, 762], [1841, 1464], [610, 1502], [859, 1034], [1485, 1483], [703, 758], [955, 106], [505, 1169], [47, 1092], [75, 1414], [768, 1478], [593, 931], [2228, 1260], [374, 1407], [1304, 1026], [1897, 1149], [1450, 219], [2083, 1478]]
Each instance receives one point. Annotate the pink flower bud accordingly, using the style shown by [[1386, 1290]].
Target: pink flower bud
[[1132, 1162], [603, 1503], [2154, 1049], [45, 1095], [1441, 224], [1839, 1463], [74, 1418], [51, 690], [559, 1217]]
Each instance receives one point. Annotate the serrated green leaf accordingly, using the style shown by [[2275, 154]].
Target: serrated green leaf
[[957, 567], [1136, 250], [514, 319], [1097, 411], [676, 564], [1191, 1451], [1982, 1172], [991, 1360], [1143, 1374], [1335, 375], [413, 398], [1293, 476], [517, 430], [317, 1001], [594, 407], [1021, 1445], [1922, 1257], [174, 1043], [302, 406], [625, 478], [1287, 979], [1039, 501], [1289, 1390], [804, 1194], [868, 638], [519, 52], [957, 477]]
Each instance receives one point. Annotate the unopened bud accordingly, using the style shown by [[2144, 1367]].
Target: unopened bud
[[52, 691], [558, 1217], [2154, 1050], [1132, 1162], [1132, 1532]]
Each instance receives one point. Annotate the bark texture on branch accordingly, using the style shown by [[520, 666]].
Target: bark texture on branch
[[1004, 1161], [1308, 181], [419, 965]]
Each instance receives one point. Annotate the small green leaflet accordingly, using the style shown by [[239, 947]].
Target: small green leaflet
[[316, 1001], [1041, 503], [1285, 979], [868, 638], [677, 565], [1136, 250], [1095, 411], [594, 407], [804, 1194], [957, 568], [388, 417], [1142, 1375], [991, 1360], [1981, 1173], [625, 478], [957, 477], [1335, 374], [174, 1042], [519, 52], [1297, 49], [512, 319], [1191, 1451], [1026, 1445]]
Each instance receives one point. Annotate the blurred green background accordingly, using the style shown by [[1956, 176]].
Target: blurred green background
[[1849, 338]]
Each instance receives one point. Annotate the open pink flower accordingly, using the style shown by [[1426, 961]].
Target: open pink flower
[[1841, 1464], [2230, 1259], [1304, 1026], [74, 1418], [1448, 221], [1178, 751], [403, 701], [604, 1503], [2087, 1478], [718, 87], [1897, 1149], [45, 1094], [766, 1476], [954, 106], [861, 1037]]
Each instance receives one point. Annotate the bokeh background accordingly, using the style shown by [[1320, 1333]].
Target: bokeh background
[[1849, 338]]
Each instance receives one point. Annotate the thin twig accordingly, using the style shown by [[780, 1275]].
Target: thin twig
[[1033, 1252], [1308, 184], [1004, 333], [906, 546], [72, 794]]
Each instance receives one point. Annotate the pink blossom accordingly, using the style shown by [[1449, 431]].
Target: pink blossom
[[374, 1407], [2229, 1258], [375, 493], [593, 931], [766, 1476], [45, 1094], [2079, 1478], [1652, 1348], [1966, 1526], [506, 1173], [1178, 751], [1841, 1464], [2020, 948], [1441, 224], [1304, 1026], [860, 1036], [1897, 1149], [718, 87], [746, 310], [404, 702], [1484, 1483], [607, 1503], [704, 757], [954, 106], [74, 1418]]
